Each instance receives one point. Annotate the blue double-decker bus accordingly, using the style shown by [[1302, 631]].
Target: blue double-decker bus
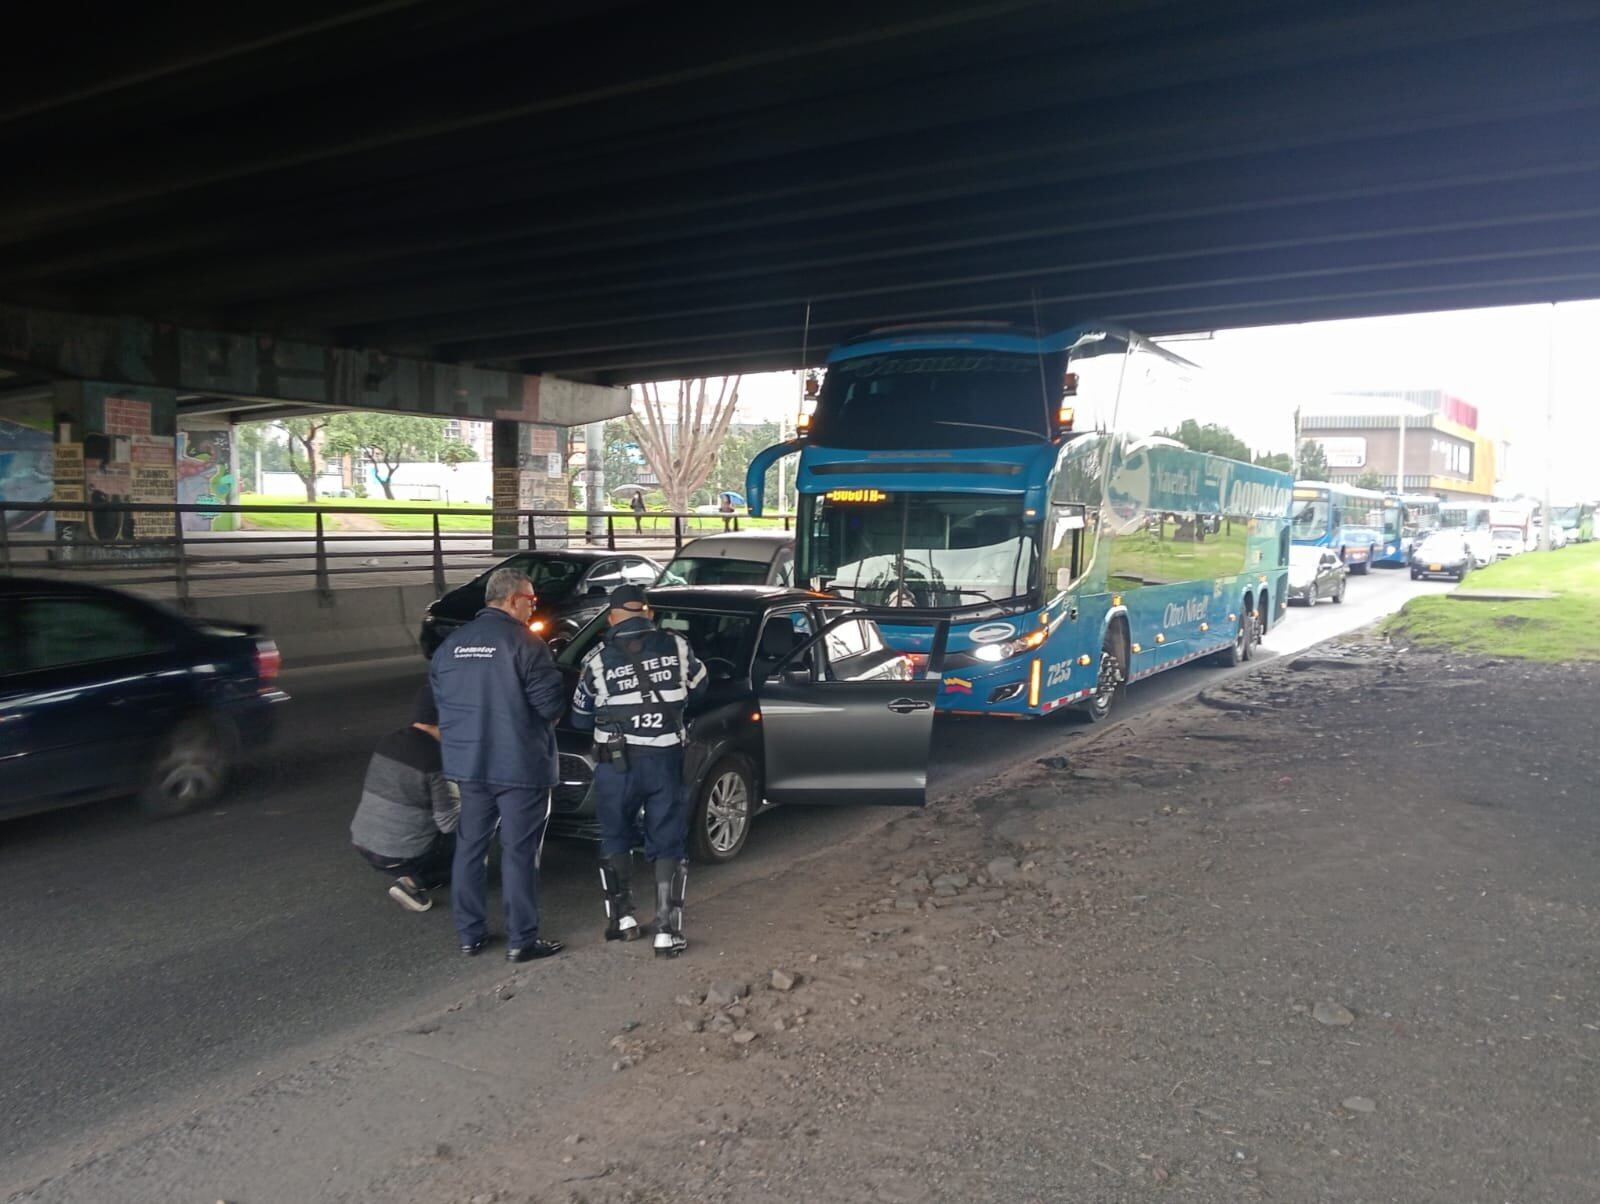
[[1018, 486], [1341, 517]]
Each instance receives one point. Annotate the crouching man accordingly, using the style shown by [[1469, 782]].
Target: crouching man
[[406, 822]]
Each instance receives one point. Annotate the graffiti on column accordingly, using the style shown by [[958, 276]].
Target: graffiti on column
[[27, 471], [206, 477]]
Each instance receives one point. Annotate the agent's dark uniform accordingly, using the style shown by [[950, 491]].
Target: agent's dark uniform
[[646, 719], [498, 691]]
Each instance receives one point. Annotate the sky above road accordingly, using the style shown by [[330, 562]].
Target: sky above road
[[1496, 359]]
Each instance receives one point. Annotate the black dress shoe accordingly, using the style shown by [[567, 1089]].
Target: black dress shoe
[[537, 949], [475, 947]]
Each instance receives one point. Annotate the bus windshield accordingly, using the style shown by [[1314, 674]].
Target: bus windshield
[[1310, 518], [937, 399], [925, 550]]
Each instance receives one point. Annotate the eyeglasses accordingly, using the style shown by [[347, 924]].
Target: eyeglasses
[[530, 599]]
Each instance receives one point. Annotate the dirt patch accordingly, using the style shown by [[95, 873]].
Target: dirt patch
[[1337, 943]]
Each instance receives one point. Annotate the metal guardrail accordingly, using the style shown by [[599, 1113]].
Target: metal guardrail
[[127, 558]]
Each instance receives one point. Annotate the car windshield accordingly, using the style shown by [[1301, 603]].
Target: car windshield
[[950, 397], [714, 570], [927, 550], [552, 576], [725, 642], [1441, 545], [1567, 516], [1310, 518]]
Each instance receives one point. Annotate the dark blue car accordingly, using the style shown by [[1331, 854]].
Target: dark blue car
[[104, 694]]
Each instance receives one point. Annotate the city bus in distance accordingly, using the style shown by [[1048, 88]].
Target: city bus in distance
[[1407, 520], [1341, 517], [1472, 520], [1577, 521], [1017, 485]]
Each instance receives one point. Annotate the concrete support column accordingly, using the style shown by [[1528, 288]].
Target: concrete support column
[[507, 485]]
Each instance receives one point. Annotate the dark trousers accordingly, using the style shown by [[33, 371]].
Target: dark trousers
[[654, 785], [521, 813], [427, 870]]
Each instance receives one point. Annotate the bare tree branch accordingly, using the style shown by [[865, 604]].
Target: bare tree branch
[[681, 446]]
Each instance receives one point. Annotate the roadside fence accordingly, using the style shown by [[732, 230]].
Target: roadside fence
[[147, 543]]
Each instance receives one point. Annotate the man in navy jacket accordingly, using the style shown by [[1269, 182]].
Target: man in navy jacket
[[498, 692]]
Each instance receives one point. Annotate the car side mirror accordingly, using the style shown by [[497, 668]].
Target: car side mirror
[[796, 675], [597, 591]]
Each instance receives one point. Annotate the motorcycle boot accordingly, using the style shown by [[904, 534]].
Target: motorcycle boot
[[615, 874], [672, 881]]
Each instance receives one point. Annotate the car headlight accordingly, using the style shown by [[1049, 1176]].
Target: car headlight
[[1389, 551], [993, 653]]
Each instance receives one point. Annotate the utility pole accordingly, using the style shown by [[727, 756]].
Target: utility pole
[[1549, 433], [1400, 468]]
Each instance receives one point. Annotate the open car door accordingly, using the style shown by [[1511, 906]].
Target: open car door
[[842, 726]]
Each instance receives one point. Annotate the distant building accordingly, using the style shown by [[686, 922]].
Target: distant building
[[1445, 453], [476, 435]]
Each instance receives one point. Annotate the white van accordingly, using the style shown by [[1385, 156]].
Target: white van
[[734, 558]]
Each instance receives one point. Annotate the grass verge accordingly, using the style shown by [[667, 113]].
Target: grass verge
[[1559, 629], [423, 523]]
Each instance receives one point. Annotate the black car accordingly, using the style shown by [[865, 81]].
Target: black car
[[572, 585], [105, 694], [1316, 573], [807, 704], [1441, 554]]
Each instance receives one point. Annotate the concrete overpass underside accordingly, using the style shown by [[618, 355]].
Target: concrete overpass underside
[[613, 191]]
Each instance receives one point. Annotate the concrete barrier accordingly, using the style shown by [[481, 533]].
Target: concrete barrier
[[351, 625]]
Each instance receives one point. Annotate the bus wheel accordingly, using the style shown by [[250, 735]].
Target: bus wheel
[[1110, 681], [1244, 641]]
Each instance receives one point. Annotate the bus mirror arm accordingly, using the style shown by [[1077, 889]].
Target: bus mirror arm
[[755, 477]]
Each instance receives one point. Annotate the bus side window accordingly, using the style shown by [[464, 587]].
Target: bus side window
[[1071, 545]]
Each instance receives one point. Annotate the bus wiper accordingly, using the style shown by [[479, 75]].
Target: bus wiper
[[989, 426]]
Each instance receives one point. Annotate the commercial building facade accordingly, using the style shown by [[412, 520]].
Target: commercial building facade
[[1444, 452]]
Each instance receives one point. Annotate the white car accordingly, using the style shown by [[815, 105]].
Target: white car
[[736, 558]]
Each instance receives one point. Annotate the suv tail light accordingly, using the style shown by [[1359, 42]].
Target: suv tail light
[[268, 661]]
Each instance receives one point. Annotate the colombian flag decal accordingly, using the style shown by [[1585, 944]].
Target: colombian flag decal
[[958, 685]]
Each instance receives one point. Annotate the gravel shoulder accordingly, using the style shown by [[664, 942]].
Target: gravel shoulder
[[1327, 933]]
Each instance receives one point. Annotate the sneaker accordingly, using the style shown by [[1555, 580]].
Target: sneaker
[[409, 895]]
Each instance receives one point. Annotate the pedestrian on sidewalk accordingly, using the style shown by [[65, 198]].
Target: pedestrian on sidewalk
[[405, 824], [636, 504], [725, 508], [633, 691], [499, 691]]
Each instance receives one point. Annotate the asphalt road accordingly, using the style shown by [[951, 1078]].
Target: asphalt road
[[147, 969]]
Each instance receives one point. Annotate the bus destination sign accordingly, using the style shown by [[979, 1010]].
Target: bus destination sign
[[870, 497]]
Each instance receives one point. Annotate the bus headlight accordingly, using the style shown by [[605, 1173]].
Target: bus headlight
[[1389, 551], [993, 653]]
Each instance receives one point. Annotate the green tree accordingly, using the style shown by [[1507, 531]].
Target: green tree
[[305, 434], [1369, 480], [385, 441], [455, 452], [1282, 461], [1313, 461], [621, 466], [1213, 438], [257, 440]]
